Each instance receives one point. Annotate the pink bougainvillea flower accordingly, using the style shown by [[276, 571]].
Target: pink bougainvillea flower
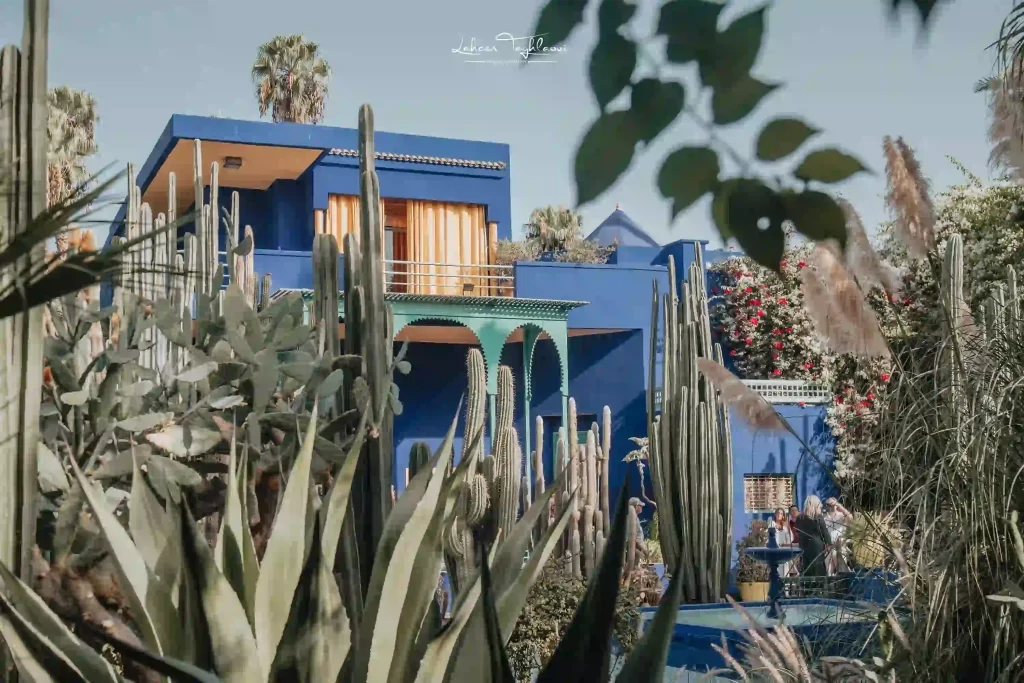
[[748, 341], [802, 264], [778, 345], [748, 290], [884, 376], [783, 301], [776, 372]]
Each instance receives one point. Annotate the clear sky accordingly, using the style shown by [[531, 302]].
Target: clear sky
[[846, 69]]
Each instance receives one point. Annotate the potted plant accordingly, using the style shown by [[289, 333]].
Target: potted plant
[[752, 576]]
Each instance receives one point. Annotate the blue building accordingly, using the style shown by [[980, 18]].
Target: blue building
[[565, 329]]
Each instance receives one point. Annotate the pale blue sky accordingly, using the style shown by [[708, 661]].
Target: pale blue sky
[[845, 69]]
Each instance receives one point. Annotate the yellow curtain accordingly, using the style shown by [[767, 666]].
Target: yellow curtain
[[343, 218], [447, 244]]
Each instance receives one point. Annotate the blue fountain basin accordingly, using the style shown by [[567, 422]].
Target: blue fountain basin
[[830, 626]]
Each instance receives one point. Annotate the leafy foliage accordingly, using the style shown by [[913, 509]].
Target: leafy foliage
[[746, 207], [749, 570], [291, 79]]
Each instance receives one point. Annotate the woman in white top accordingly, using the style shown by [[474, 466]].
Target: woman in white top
[[836, 519], [783, 536]]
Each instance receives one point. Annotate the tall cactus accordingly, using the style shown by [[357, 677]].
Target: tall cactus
[[23, 147], [689, 443], [954, 307]]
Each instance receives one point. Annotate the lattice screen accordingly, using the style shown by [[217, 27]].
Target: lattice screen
[[766, 492]]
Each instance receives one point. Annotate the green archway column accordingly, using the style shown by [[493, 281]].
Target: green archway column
[[530, 335]]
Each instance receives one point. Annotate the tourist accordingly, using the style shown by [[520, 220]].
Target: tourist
[[784, 537], [641, 545], [836, 519], [812, 536], [794, 512]]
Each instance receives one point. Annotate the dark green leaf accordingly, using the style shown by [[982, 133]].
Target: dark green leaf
[[756, 214], [924, 8], [122, 357], [611, 67], [62, 375], [688, 174], [735, 51], [691, 27], [816, 215], [604, 154], [720, 207], [612, 14], [557, 20], [782, 137], [647, 660], [654, 105], [584, 652], [733, 103], [828, 166]]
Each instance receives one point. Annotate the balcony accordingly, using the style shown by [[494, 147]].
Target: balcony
[[448, 279]]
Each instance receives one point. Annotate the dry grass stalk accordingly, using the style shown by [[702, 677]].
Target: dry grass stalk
[[1006, 125], [837, 307], [752, 408], [908, 198], [861, 257]]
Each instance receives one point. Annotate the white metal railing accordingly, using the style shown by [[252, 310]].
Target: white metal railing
[[454, 279], [778, 391]]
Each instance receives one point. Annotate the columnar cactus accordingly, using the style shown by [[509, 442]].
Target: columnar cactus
[[606, 449], [476, 405], [689, 441], [265, 283]]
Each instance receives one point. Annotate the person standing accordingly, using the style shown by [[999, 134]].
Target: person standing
[[812, 536], [784, 537], [836, 518]]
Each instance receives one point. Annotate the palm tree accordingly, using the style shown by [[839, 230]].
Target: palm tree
[[71, 129], [553, 228], [291, 80]]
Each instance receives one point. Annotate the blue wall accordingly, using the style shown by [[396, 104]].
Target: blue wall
[[761, 452], [603, 370]]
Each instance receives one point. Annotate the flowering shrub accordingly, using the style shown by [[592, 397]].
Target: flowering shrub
[[759, 318]]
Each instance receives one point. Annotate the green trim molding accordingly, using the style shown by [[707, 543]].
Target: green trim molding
[[492, 320]]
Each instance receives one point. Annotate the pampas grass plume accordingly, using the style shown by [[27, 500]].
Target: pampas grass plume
[[752, 408], [907, 197]]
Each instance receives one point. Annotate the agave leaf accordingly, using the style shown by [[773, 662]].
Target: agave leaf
[[426, 570], [584, 653], [398, 595], [175, 669], [235, 653], [334, 511], [326, 637], [198, 373], [512, 597], [284, 556], [250, 563], [228, 552], [394, 527], [29, 668], [171, 439], [511, 600], [647, 660], [501, 671], [52, 477], [22, 605], [147, 519], [147, 599], [439, 653], [147, 421]]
